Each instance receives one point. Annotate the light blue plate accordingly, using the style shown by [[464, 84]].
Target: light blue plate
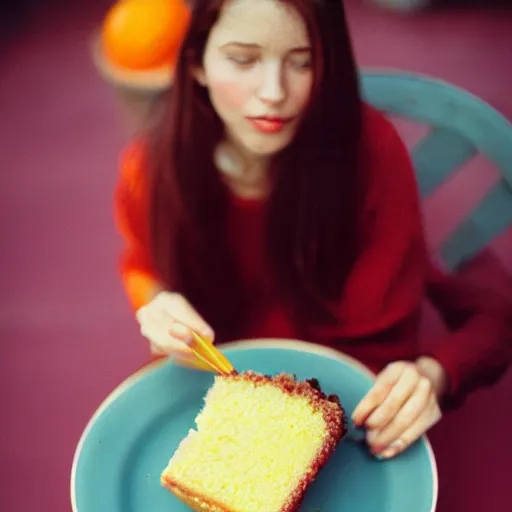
[[130, 439]]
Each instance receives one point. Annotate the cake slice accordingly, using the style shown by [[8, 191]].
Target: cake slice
[[260, 441]]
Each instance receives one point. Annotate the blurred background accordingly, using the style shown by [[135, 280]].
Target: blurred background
[[67, 334]]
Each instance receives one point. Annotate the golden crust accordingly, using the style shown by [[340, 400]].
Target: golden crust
[[194, 500]]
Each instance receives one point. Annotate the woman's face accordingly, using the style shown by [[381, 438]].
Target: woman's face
[[257, 68]]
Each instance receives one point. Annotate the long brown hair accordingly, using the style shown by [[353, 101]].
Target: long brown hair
[[313, 208]]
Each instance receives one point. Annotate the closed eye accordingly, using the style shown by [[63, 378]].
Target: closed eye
[[242, 61], [301, 64], [301, 58]]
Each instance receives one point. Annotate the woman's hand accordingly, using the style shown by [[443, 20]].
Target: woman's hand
[[401, 406], [167, 322]]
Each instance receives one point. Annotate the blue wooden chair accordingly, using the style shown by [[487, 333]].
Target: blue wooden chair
[[462, 126]]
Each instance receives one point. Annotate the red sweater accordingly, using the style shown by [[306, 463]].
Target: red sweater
[[380, 309]]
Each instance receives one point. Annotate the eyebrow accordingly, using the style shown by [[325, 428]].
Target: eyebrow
[[254, 46]]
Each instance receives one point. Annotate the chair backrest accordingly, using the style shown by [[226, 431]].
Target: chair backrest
[[462, 126]]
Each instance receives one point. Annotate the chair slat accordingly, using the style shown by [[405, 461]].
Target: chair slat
[[491, 217], [438, 155]]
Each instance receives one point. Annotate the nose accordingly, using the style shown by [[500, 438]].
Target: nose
[[272, 89]]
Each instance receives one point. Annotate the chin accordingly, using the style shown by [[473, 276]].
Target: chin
[[267, 146]]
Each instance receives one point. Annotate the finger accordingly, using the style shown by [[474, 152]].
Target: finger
[[381, 388], [166, 348], [157, 350], [155, 327], [397, 397], [170, 324], [166, 344], [406, 416], [427, 419], [180, 331], [182, 312]]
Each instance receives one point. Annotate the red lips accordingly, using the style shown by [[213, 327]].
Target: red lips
[[269, 124]]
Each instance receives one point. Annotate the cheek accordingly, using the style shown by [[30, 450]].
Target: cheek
[[229, 94], [227, 90]]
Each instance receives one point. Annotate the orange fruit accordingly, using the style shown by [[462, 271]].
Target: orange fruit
[[144, 34]]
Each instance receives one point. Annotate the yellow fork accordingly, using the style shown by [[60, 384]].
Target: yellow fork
[[208, 357]]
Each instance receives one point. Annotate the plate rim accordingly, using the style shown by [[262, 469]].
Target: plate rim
[[238, 345]]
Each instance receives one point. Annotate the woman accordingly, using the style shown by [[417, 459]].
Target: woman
[[271, 202]]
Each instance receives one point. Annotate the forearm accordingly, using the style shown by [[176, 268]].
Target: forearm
[[478, 349]]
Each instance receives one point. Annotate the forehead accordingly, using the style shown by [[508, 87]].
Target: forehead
[[268, 23]]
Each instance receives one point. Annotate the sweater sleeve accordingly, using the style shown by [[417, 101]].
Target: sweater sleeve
[[131, 215], [478, 349]]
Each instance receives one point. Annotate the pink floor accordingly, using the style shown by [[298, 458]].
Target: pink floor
[[67, 334]]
